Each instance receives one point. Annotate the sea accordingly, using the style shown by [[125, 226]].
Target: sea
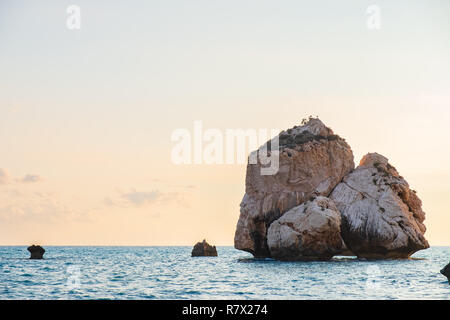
[[171, 273]]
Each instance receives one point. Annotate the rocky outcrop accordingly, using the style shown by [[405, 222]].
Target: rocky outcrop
[[317, 205], [381, 216], [446, 272], [203, 249], [37, 252], [311, 231], [312, 161]]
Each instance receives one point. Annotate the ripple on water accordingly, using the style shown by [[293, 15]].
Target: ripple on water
[[170, 273]]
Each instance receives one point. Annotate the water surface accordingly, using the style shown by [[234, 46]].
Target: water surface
[[171, 273]]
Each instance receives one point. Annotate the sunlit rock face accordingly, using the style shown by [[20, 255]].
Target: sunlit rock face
[[381, 216], [312, 161], [310, 231]]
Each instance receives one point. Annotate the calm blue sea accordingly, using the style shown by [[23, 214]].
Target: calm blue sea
[[170, 273]]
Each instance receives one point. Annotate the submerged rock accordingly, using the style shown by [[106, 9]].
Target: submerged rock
[[381, 216], [203, 249], [446, 272], [37, 252], [311, 231], [312, 161]]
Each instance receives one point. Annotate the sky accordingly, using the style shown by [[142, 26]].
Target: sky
[[86, 115]]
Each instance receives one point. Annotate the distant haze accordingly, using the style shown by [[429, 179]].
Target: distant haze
[[86, 115]]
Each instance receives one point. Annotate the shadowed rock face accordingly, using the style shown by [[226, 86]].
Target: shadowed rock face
[[313, 160], [446, 272], [203, 249], [381, 216], [37, 252], [311, 231]]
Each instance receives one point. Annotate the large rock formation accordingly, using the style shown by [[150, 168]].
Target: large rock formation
[[446, 271], [311, 231], [37, 252], [203, 249], [312, 161], [381, 216]]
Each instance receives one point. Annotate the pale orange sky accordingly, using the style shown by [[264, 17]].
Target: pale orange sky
[[86, 115]]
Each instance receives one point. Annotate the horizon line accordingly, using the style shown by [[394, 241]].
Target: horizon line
[[119, 245]]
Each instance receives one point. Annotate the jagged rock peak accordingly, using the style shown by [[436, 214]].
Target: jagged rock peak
[[373, 159], [312, 130]]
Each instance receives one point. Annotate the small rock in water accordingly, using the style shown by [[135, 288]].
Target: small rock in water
[[203, 249], [37, 252], [446, 271]]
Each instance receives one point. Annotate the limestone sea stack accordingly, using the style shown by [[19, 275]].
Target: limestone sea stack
[[37, 252], [317, 205], [381, 216], [204, 249], [446, 271], [312, 161]]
